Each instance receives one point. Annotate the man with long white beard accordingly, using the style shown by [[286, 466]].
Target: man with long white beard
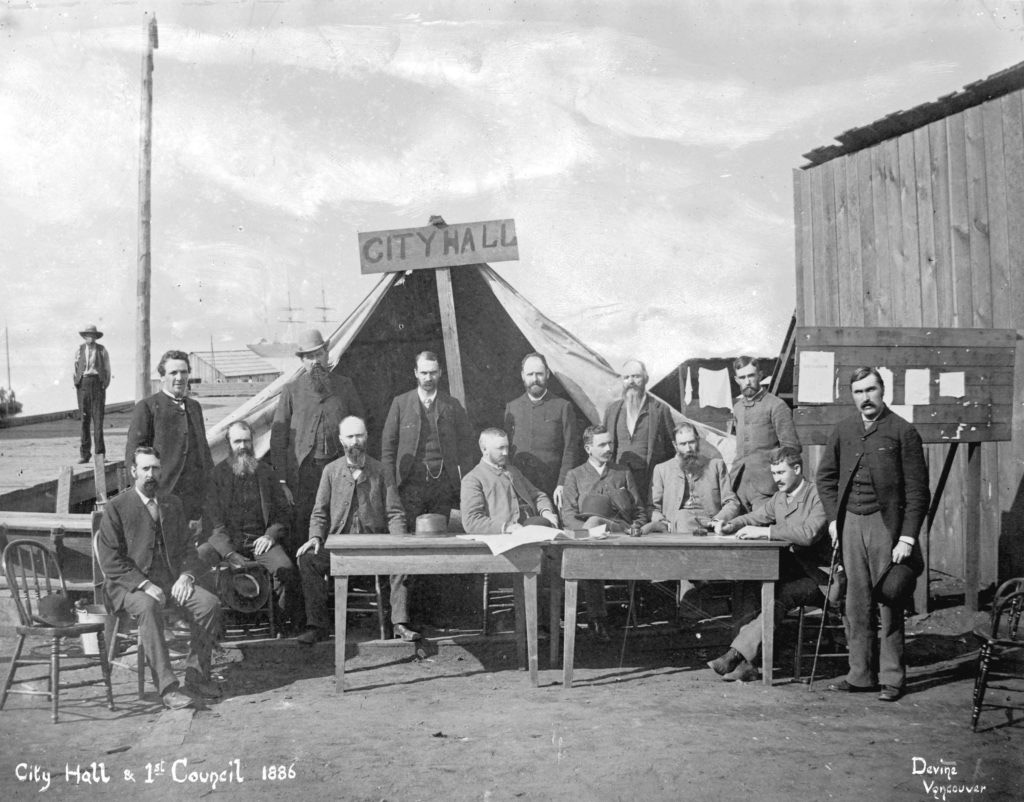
[[641, 427], [304, 435], [248, 514]]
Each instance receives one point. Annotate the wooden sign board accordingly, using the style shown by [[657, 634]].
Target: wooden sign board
[[954, 385], [433, 246]]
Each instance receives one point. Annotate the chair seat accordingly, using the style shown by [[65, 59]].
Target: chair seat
[[985, 634], [72, 631]]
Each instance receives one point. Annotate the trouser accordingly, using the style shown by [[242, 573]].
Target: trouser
[[283, 575], [304, 496], [202, 610], [314, 569], [867, 553], [92, 404], [788, 594]]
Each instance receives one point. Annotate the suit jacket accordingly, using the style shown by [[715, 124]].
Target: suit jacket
[[762, 424], [583, 480], [490, 499], [293, 431], [712, 489], [402, 433], [542, 439], [158, 422], [102, 364], [660, 428], [894, 456], [374, 495], [126, 543], [273, 506]]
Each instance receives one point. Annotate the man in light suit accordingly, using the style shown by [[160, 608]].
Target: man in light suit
[[92, 377], [172, 423], [148, 561], [357, 496]]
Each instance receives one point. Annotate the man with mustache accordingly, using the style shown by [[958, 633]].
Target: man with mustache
[[763, 423], [874, 486], [794, 514], [641, 427], [248, 513], [172, 423], [148, 561], [91, 377], [304, 434], [542, 430], [357, 496]]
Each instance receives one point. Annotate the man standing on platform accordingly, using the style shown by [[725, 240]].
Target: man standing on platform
[[304, 434], [92, 377], [172, 423], [357, 496], [148, 560], [763, 423], [640, 426], [542, 430], [874, 486]]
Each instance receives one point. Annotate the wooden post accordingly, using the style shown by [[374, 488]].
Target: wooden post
[[972, 526], [64, 489], [450, 330], [921, 598], [99, 472], [142, 355]]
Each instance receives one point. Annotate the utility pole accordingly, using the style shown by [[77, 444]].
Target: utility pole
[[142, 352], [10, 387]]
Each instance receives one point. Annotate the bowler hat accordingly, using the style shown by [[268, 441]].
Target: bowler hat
[[431, 524], [596, 504], [91, 330], [310, 341], [896, 585], [55, 610]]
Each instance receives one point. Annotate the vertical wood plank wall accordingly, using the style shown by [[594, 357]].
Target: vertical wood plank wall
[[927, 229]]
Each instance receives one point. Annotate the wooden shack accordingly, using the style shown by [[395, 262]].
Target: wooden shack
[[916, 221]]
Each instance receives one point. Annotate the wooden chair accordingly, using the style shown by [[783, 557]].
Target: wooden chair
[[1002, 636], [32, 573], [497, 599], [809, 624]]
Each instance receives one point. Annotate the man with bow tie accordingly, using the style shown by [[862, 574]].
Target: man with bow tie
[[92, 377], [357, 496], [172, 423], [149, 562]]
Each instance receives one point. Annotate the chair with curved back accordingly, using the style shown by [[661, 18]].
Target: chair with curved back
[[32, 574], [1002, 636]]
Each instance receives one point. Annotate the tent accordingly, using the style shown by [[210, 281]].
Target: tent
[[377, 344]]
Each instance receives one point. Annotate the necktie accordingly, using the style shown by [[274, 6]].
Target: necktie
[[428, 403], [154, 511]]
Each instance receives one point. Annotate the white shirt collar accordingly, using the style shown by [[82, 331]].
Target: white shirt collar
[[424, 397], [145, 499], [597, 466], [799, 489]]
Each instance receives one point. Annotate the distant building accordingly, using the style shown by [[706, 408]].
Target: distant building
[[221, 367]]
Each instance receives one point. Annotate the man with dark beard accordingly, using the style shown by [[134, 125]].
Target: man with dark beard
[[248, 514], [641, 427], [763, 423], [542, 431], [304, 435], [357, 496]]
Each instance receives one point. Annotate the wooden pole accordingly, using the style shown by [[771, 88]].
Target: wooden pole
[[972, 526], [10, 387], [142, 353], [449, 325]]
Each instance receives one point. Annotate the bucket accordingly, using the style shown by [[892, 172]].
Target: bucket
[[95, 614]]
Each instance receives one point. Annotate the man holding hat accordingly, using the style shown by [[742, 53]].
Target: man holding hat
[[92, 377], [304, 434], [873, 483]]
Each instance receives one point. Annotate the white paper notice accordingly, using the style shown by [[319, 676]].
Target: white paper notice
[[817, 374], [905, 411], [917, 387], [952, 384], [499, 544], [888, 380]]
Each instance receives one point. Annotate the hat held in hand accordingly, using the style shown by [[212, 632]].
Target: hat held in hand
[[895, 586]]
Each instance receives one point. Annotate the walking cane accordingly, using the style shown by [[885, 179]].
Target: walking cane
[[824, 612], [630, 614]]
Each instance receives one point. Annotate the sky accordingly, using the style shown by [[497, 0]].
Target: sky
[[645, 151]]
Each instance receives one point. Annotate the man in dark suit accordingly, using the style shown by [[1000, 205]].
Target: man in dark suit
[[427, 444], [641, 427], [247, 515], [172, 423], [92, 377], [148, 561], [873, 483], [304, 434], [357, 496]]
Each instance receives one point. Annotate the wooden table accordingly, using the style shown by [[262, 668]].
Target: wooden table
[[660, 557], [357, 555]]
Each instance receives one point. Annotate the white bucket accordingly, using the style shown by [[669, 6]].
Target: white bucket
[[95, 614]]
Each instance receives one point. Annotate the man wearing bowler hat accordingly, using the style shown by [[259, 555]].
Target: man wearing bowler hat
[[92, 377], [873, 483], [304, 434]]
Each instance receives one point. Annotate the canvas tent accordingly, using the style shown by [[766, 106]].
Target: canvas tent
[[377, 345]]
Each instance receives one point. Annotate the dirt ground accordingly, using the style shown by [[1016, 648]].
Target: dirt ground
[[460, 722]]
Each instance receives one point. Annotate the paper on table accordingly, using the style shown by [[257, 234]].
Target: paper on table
[[952, 384], [888, 380], [916, 387], [714, 389], [499, 544], [905, 411], [817, 377]]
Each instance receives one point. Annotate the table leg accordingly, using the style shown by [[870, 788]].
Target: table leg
[[767, 631], [521, 622], [569, 636], [555, 615], [530, 583], [340, 620]]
